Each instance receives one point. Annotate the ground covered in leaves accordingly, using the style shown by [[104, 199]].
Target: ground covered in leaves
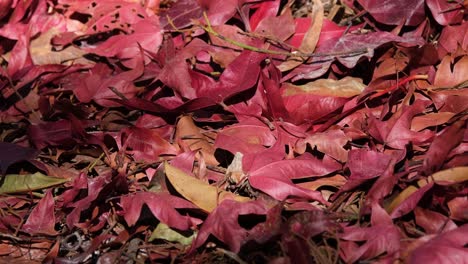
[[233, 131]]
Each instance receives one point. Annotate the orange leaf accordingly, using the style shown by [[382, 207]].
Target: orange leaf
[[188, 134]]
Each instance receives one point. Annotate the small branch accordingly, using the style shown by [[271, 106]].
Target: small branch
[[245, 46]]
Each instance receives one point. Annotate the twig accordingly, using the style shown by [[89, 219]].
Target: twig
[[245, 46]]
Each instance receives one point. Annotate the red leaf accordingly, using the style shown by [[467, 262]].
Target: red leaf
[[268, 26], [42, 217], [458, 208], [396, 132], [219, 11], [450, 39], [180, 14], [304, 166], [441, 147], [433, 222], [410, 202], [246, 137], [330, 142], [445, 12], [145, 144], [239, 75], [265, 9], [281, 188], [358, 45], [381, 237], [448, 247], [223, 223], [97, 83], [163, 206], [395, 12], [147, 36]]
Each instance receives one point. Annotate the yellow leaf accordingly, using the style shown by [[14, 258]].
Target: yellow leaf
[[401, 198], [15, 183], [203, 195], [450, 176]]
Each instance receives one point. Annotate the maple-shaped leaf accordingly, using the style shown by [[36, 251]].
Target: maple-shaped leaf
[[223, 223], [443, 143], [144, 144], [330, 142], [367, 164], [381, 237], [42, 217], [445, 12], [396, 132], [450, 40], [451, 73], [162, 205], [11, 153], [190, 136]]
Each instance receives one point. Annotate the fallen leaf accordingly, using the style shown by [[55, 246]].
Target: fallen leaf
[[42, 218], [188, 134], [223, 223], [12, 153], [163, 231], [17, 183], [162, 205], [205, 196], [310, 39]]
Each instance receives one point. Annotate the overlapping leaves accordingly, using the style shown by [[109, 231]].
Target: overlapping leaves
[[207, 122]]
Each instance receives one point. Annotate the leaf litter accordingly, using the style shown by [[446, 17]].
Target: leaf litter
[[233, 131]]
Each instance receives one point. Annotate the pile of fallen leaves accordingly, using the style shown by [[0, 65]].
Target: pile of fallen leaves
[[233, 131]]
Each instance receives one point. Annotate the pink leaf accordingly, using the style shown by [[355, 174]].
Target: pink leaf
[[445, 12], [381, 237], [396, 132], [265, 9], [395, 12], [433, 222], [448, 247], [442, 145], [42, 217]]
